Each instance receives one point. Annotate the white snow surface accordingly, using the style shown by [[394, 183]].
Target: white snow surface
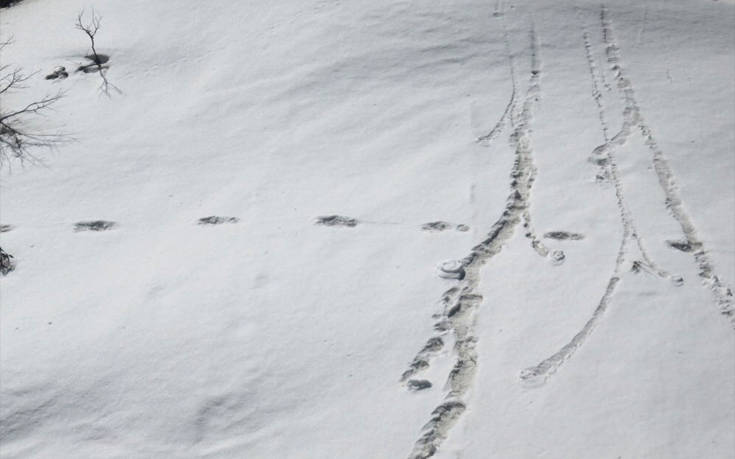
[[275, 337]]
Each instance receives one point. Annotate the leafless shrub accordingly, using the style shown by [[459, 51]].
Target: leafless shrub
[[99, 61], [18, 136], [7, 263]]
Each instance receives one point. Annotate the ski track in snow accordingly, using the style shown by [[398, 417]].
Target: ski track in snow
[[511, 106], [604, 155], [666, 178], [511, 114], [461, 302]]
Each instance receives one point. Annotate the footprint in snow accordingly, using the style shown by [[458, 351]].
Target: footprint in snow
[[443, 226], [217, 220], [94, 225], [336, 220], [683, 246], [558, 257], [452, 269], [564, 236], [418, 384], [58, 73]]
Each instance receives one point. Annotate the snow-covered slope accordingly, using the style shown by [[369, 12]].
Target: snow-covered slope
[[583, 311]]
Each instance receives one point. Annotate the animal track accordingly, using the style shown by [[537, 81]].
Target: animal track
[[564, 236], [94, 225], [5, 228], [436, 430], [461, 302], [58, 73], [336, 220], [453, 269], [436, 226], [217, 220], [420, 361], [603, 157], [443, 226], [418, 384], [684, 246], [558, 257], [639, 266], [632, 119]]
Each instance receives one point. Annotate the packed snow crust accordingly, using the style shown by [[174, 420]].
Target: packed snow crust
[[385, 229]]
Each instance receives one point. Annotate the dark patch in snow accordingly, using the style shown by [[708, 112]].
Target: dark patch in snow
[[217, 220], [58, 73], [96, 63], [416, 365], [7, 263], [436, 430], [433, 344], [442, 326], [564, 236], [5, 228], [436, 226], [95, 225], [336, 220], [684, 246], [443, 226], [99, 59], [418, 384], [8, 3]]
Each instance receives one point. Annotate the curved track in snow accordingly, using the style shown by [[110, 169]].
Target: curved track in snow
[[462, 301], [604, 155]]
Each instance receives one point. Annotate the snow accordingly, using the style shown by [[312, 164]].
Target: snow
[[267, 335]]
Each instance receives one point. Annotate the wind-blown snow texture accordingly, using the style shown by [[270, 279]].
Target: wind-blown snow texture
[[323, 229]]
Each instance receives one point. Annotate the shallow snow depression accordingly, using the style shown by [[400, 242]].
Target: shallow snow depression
[[324, 229]]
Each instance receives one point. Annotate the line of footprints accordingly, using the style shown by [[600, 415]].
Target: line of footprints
[[452, 269], [447, 270]]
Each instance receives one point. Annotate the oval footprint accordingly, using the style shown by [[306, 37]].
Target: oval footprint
[[217, 220], [94, 225], [453, 269], [336, 220], [564, 236]]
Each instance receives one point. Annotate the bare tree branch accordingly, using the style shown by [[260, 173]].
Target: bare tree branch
[[11, 78], [17, 134], [90, 28]]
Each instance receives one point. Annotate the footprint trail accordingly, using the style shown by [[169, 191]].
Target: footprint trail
[[462, 301], [605, 157]]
